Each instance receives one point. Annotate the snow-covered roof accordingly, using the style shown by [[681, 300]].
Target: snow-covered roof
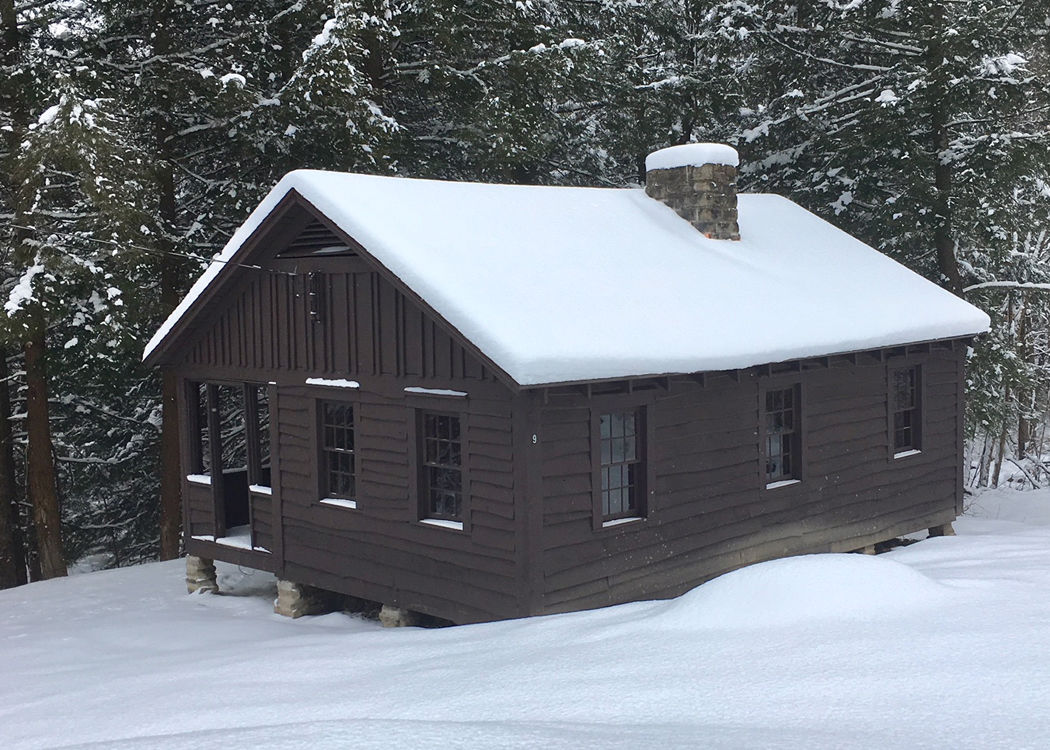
[[558, 284]]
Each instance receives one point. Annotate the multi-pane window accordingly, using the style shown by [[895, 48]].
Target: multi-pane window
[[337, 447], [621, 466], [442, 469], [781, 447], [904, 387]]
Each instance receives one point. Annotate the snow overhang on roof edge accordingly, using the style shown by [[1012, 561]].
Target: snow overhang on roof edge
[[542, 279]]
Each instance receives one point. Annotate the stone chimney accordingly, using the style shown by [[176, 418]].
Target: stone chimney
[[697, 180]]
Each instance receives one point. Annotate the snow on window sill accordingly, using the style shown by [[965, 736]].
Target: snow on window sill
[[260, 489], [435, 391], [782, 483], [444, 524], [333, 383], [339, 502], [198, 478], [905, 454], [620, 521]]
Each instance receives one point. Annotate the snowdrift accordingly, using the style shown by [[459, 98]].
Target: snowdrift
[[799, 589]]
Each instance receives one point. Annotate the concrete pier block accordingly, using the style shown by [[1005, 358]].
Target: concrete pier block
[[200, 575], [395, 617], [297, 599]]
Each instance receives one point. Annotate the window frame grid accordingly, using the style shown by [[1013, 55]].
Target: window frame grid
[[631, 471], [641, 403], [796, 449], [326, 453], [431, 467], [916, 411]]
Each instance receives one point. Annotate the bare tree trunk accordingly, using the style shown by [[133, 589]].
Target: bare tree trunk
[[1002, 452], [942, 171], [12, 543], [170, 473], [986, 462], [32, 556], [1024, 425], [40, 463]]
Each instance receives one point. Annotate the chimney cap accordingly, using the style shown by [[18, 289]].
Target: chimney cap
[[692, 155]]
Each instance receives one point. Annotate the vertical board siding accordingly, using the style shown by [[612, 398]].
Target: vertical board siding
[[711, 512], [367, 328]]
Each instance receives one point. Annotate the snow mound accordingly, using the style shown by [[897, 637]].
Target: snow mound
[[804, 588], [692, 155]]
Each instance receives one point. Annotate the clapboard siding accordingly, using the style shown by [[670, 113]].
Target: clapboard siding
[[711, 512], [262, 521], [201, 508], [381, 550]]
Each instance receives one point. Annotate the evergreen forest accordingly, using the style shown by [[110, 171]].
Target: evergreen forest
[[135, 136]]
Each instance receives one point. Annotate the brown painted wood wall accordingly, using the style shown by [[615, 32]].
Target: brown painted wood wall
[[711, 511], [372, 333], [381, 551], [368, 327]]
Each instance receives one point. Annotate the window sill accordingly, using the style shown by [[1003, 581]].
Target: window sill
[[260, 489], [419, 391], [333, 383], [782, 483], [905, 454], [443, 523], [621, 521], [339, 502], [198, 478]]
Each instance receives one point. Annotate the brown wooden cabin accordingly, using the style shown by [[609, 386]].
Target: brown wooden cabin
[[340, 429]]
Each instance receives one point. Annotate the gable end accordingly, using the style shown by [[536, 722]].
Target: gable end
[[292, 243]]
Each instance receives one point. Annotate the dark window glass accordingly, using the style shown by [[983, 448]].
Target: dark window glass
[[904, 384], [337, 441], [781, 434], [621, 466], [442, 467]]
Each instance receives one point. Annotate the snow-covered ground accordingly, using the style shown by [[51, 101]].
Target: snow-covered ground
[[942, 644]]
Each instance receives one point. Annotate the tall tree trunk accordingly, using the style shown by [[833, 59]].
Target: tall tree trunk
[[170, 473], [1002, 449], [986, 462], [40, 461], [12, 543], [942, 171], [1024, 424]]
